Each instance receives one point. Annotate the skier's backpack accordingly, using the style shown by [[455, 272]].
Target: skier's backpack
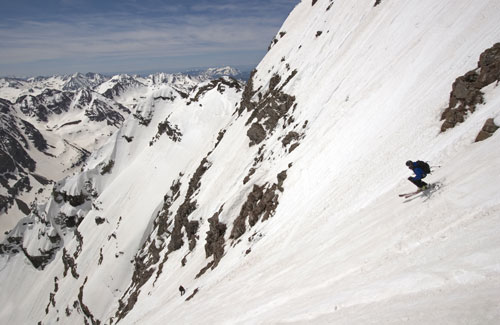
[[424, 166]]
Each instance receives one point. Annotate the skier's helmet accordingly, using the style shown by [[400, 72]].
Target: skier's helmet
[[409, 163]]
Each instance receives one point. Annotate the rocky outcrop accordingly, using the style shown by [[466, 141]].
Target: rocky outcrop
[[99, 108], [256, 133], [276, 39], [186, 208], [69, 264], [221, 85], [85, 309], [271, 107], [100, 111], [143, 119], [214, 245], [121, 84], [261, 204], [34, 136], [108, 167], [487, 131], [466, 91], [73, 200], [18, 138], [166, 127], [42, 106]]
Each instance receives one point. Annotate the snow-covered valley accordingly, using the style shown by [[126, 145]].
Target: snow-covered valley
[[277, 201]]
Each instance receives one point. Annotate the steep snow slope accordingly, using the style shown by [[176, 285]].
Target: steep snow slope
[[342, 247], [284, 208]]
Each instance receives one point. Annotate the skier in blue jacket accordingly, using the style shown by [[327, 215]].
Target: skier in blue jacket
[[419, 175]]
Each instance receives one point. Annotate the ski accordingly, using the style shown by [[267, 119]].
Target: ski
[[407, 195]]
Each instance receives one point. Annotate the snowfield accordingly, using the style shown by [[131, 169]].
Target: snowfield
[[278, 203]]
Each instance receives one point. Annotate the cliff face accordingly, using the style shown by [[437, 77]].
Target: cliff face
[[278, 202]]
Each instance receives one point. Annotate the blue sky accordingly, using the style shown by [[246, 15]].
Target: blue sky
[[65, 36]]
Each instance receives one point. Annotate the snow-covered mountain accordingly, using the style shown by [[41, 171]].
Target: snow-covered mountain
[[46, 137], [214, 73], [277, 203], [13, 88], [71, 116]]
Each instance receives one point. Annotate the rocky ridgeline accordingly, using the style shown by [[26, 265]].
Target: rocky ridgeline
[[174, 227]]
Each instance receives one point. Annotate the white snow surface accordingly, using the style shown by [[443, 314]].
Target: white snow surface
[[341, 247]]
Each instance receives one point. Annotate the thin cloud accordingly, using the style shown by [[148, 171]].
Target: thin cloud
[[126, 35]]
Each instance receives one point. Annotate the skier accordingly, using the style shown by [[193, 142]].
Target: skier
[[182, 290], [421, 169]]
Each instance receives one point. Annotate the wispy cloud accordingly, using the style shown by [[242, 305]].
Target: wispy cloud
[[160, 31]]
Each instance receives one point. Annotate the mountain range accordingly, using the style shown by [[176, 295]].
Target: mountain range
[[51, 125]]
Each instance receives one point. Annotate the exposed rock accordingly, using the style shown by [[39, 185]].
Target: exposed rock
[[69, 264], [192, 295], [204, 269], [99, 220], [79, 239], [34, 136], [293, 147], [101, 257], [215, 238], [14, 245], [246, 98], [220, 136], [125, 82], [70, 123], [487, 131], [271, 107], [290, 77], [377, 2], [85, 309], [171, 130], [291, 136], [142, 273], [220, 83], [74, 200], [143, 120], [250, 173], [466, 91], [162, 220], [98, 108], [256, 133], [23, 207], [49, 102], [273, 42], [261, 203], [106, 169], [281, 179], [40, 179]]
